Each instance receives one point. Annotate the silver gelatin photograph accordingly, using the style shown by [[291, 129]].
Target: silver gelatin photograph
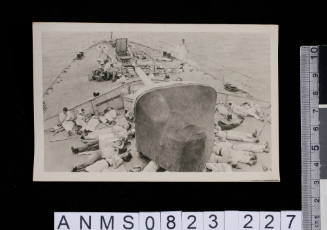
[[155, 102]]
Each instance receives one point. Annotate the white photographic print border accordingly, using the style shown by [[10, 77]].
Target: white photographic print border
[[40, 174]]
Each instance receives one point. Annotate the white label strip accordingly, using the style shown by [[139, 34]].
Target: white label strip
[[176, 220]]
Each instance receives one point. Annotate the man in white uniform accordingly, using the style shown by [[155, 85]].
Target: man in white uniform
[[104, 153], [109, 116], [246, 109], [67, 120], [236, 135], [223, 152]]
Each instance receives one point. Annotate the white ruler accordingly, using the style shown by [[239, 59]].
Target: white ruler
[[309, 72], [177, 220]]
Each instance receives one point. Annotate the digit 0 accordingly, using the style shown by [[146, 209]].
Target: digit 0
[[149, 226]]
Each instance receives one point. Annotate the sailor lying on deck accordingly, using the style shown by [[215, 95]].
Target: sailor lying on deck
[[93, 145], [224, 152], [109, 115], [97, 161], [121, 129], [103, 153], [67, 120], [252, 147], [124, 133], [249, 147], [109, 144], [88, 124], [81, 118], [226, 119], [246, 109], [222, 109], [92, 124], [218, 167], [236, 135]]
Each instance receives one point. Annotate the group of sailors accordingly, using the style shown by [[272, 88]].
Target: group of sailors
[[106, 147], [109, 69], [107, 72], [231, 147], [107, 137], [79, 122]]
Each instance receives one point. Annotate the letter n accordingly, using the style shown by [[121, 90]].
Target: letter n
[[87, 224]]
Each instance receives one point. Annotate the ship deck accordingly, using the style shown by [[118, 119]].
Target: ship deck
[[59, 157], [73, 87]]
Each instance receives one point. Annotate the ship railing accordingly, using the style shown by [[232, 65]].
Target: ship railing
[[112, 98]]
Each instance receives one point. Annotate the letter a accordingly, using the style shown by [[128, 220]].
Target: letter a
[[63, 221]]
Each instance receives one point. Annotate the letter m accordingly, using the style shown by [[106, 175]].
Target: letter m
[[106, 225]]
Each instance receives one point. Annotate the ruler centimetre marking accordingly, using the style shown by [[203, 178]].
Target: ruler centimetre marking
[[310, 148]]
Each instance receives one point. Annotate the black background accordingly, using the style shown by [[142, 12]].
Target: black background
[[323, 74], [323, 111], [31, 204]]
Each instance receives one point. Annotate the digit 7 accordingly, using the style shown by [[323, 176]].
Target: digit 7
[[291, 221]]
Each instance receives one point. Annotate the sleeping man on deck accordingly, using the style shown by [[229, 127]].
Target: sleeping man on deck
[[104, 148], [246, 109], [67, 120]]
